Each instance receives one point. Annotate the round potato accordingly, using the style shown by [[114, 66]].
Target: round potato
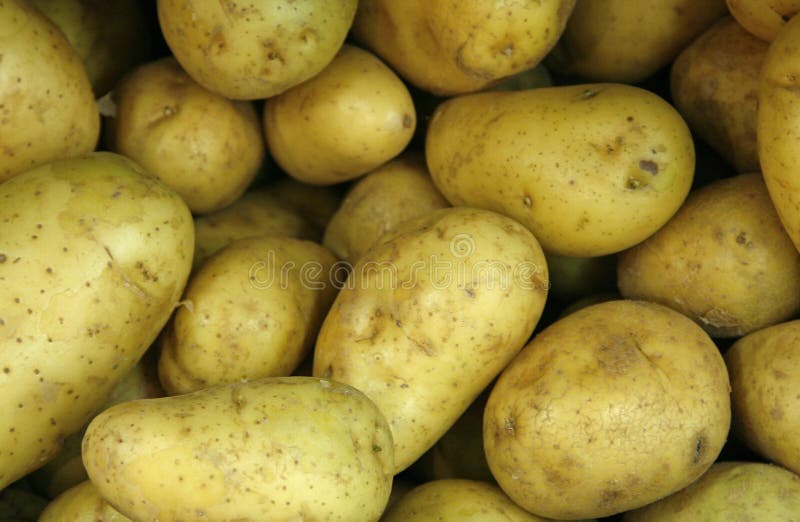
[[81, 503], [257, 49], [608, 409], [763, 18]]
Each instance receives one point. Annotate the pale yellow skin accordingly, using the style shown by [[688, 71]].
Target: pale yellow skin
[[315, 203], [400, 190], [585, 189], [257, 49], [349, 119], [714, 84], [81, 503], [94, 255], [253, 310], [627, 41], [280, 449], [47, 109], [765, 378], [730, 491], [430, 316], [608, 409], [724, 260], [763, 18], [455, 46]]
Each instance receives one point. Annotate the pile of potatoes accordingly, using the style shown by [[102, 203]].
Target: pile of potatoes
[[403, 261]]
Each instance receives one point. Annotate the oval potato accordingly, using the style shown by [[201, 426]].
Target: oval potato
[[81, 503]]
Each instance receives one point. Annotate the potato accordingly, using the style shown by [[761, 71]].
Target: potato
[[81, 503], [765, 382], [94, 255], [349, 119], [724, 260], [763, 18], [714, 84], [283, 448], [608, 409], [729, 491], [583, 190], [447, 47], [252, 310], [629, 40], [162, 122], [47, 109], [317, 204], [572, 278], [400, 190], [247, 51], [430, 316]]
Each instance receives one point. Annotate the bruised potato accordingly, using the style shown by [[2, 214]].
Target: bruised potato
[[81, 503]]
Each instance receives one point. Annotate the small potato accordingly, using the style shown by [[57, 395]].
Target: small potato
[[81, 503], [283, 448], [400, 190], [763, 18], [724, 260], [349, 119], [205, 147]]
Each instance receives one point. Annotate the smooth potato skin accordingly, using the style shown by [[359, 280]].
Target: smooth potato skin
[[763, 18], [95, 255], [583, 190], [81, 503], [279, 449]]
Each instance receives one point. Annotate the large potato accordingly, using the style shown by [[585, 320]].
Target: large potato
[[584, 189], [430, 315], [763, 18], [608, 409], [94, 255], [290, 448], [81, 503], [257, 49], [47, 109]]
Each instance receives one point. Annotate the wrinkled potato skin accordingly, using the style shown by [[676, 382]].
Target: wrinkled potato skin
[[627, 41], [94, 256], [714, 84], [279, 449], [584, 191], [422, 342], [400, 190], [254, 50], [81, 503], [450, 47], [723, 260], [763, 18], [765, 382], [47, 109], [608, 409]]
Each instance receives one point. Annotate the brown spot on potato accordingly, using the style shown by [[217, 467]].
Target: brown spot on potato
[[649, 166], [776, 413], [408, 121], [699, 449], [510, 426]]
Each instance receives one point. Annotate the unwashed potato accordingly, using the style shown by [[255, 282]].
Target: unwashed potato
[[284, 448], [608, 409], [763, 18], [81, 503], [257, 49], [94, 256], [629, 40], [584, 190], [723, 260], [47, 108]]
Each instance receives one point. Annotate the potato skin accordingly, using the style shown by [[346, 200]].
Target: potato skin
[[583, 191], [762, 18], [284, 448], [608, 409], [94, 255], [81, 503]]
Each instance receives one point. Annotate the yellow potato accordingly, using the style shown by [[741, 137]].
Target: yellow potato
[[430, 315], [583, 190], [81, 503], [608, 409], [246, 51], [315, 203], [763, 18], [94, 256], [283, 448]]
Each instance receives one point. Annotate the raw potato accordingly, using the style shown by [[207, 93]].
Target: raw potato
[[765, 378], [205, 147], [572, 278], [81, 503], [608, 409], [94, 255], [257, 49], [730, 491], [583, 190], [252, 310], [763, 18], [47, 109], [714, 84], [315, 203], [284, 448], [628, 41], [448, 47], [430, 316], [724, 260], [349, 119], [398, 191]]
